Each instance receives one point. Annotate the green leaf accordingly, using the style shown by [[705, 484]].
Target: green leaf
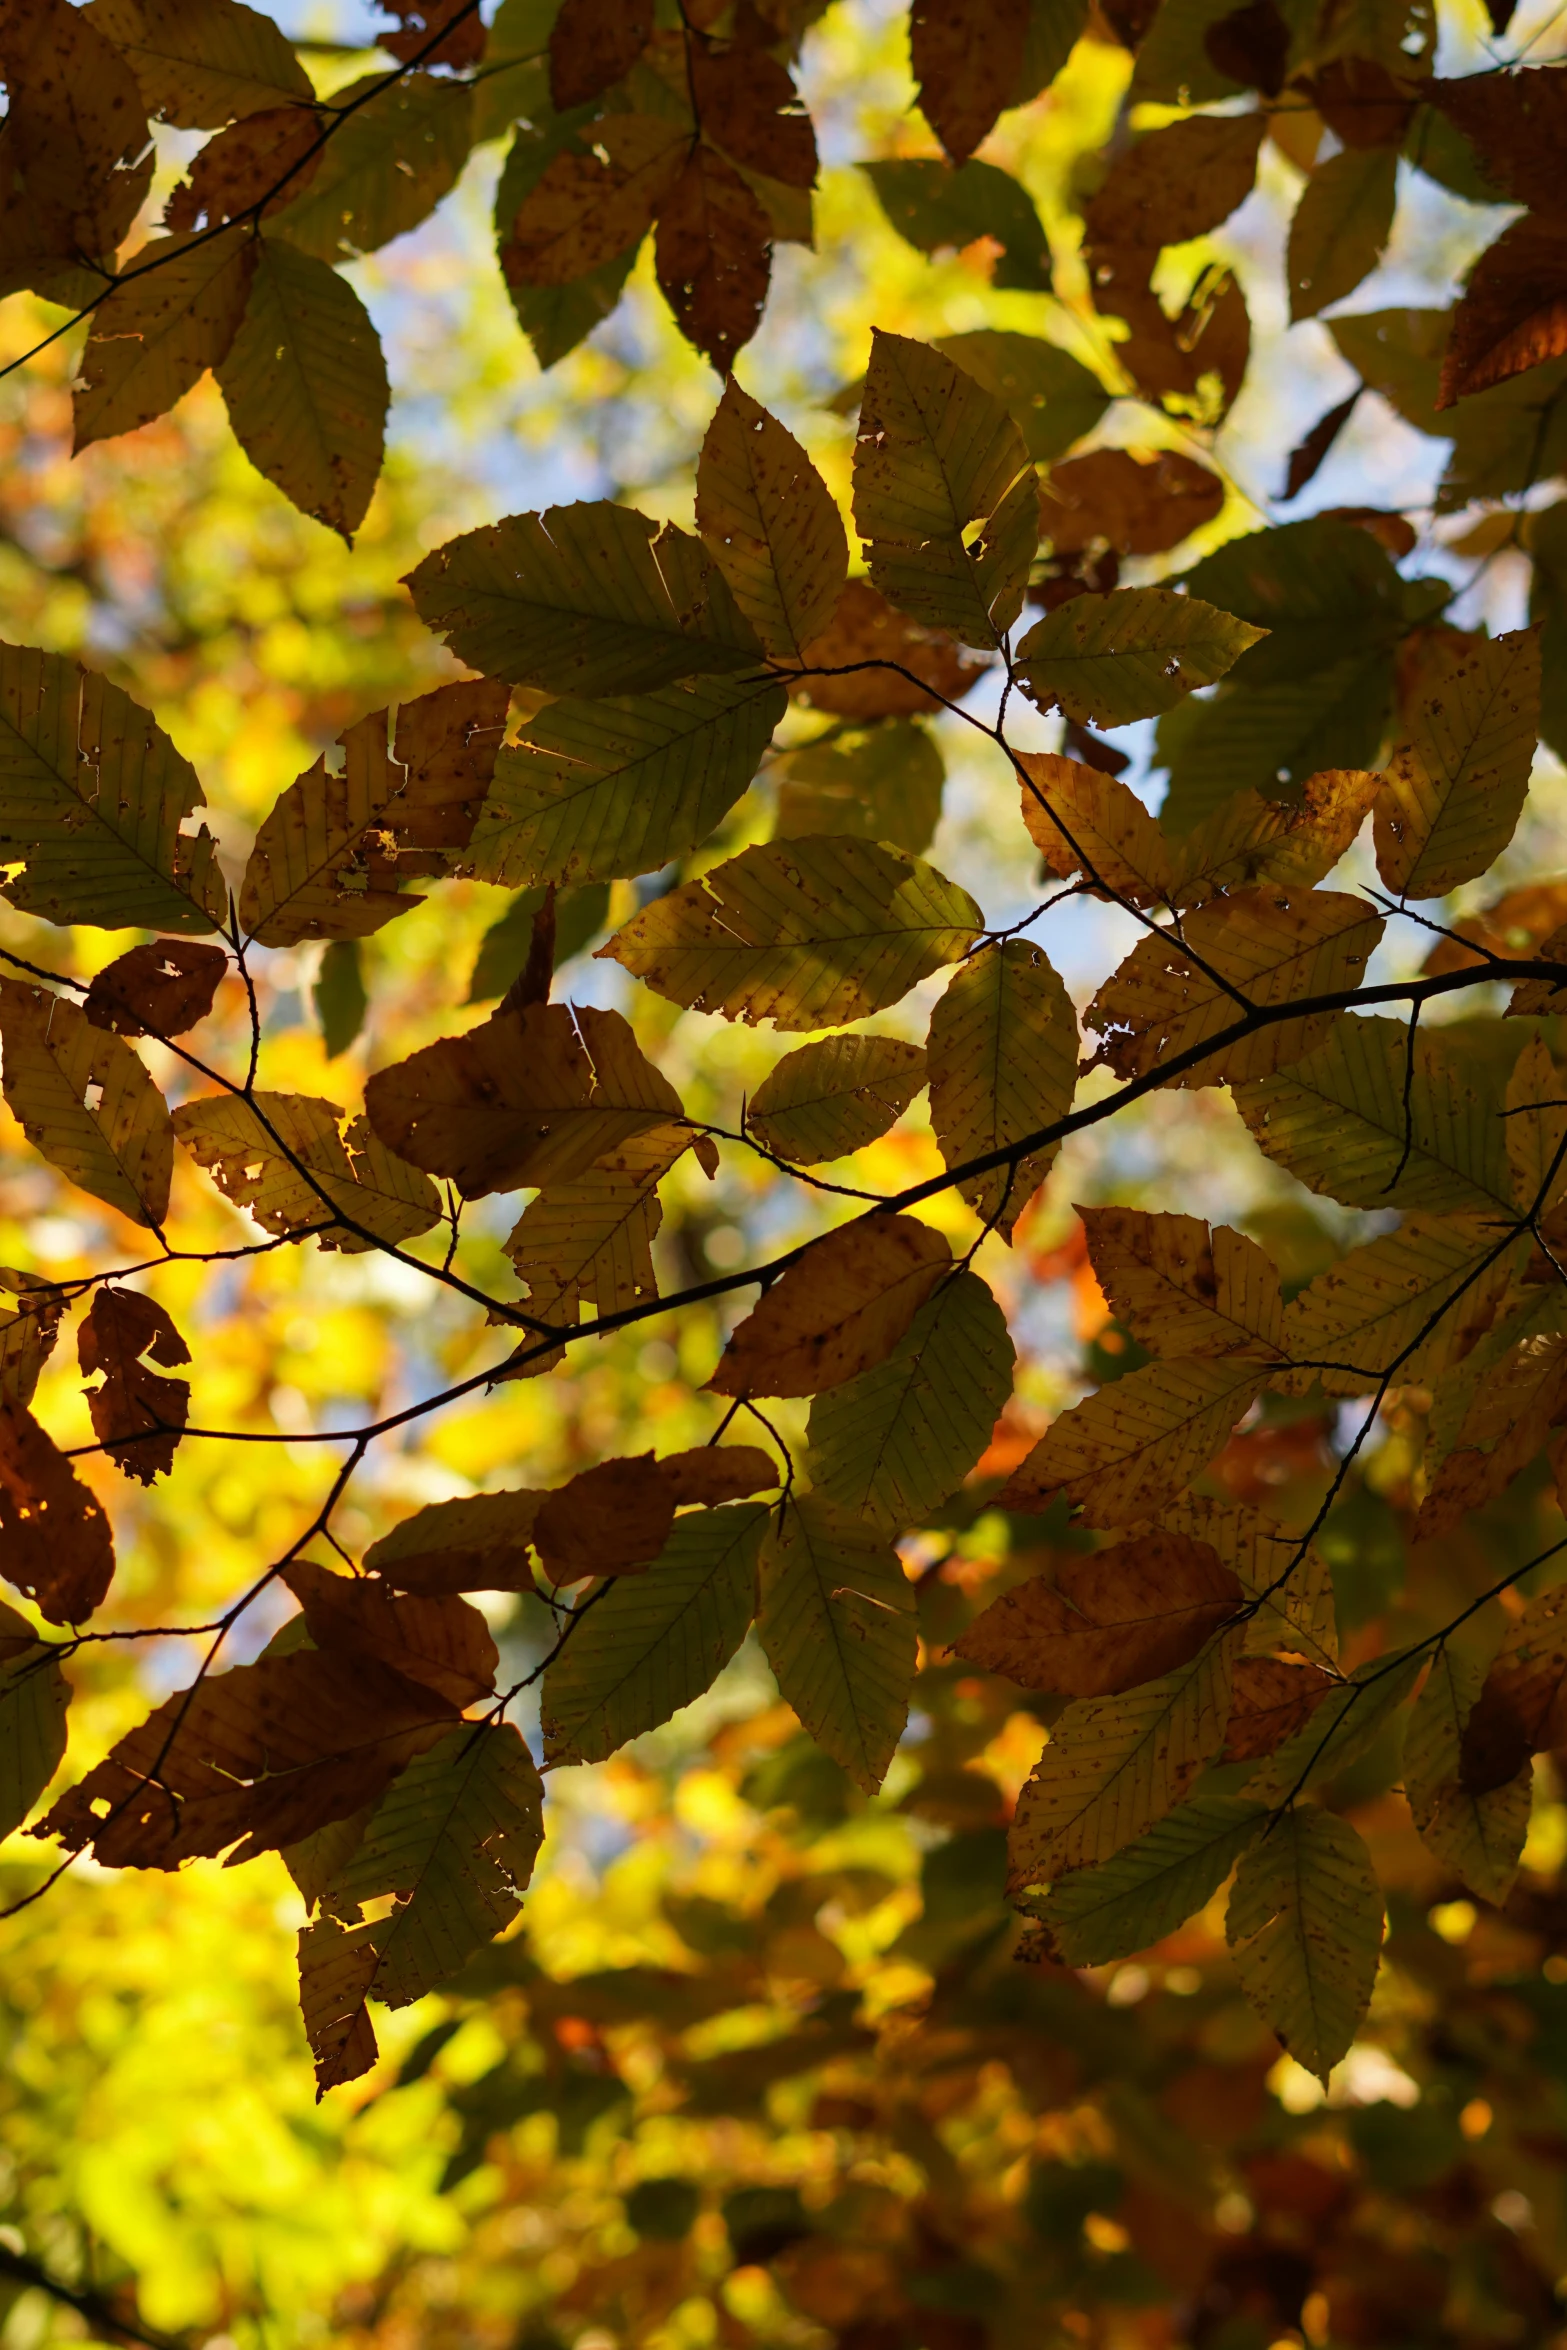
[[1369, 1308], [837, 1626], [1341, 227], [1054, 29], [655, 1641], [339, 995], [806, 933], [202, 63], [306, 386], [1120, 1452], [554, 318], [1107, 660], [1455, 789], [1152, 1887], [1266, 739], [596, 791], [1322, 590], [1547, 540], [281, 1155], [1336, 1121], [1480, 1838], [587, 599], [933, 208], [503, 950], [1341, 1729], [768, 522], [93, 796], [385, 168], [1502, 440], [158, 333], [34, 1696], [85, 1102], [896, 1441], [834, 1096], [1114, 1765], [885, 785], [936, 455], [1305, 1930], [1003, 1063], [1297, 1615], [1051, 398]]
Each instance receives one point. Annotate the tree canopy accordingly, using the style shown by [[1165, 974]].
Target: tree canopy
[[802, 1350]]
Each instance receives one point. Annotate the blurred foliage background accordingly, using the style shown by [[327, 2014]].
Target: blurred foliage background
[[762, 2068]]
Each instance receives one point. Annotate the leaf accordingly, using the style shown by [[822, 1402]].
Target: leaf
[[833, 1096], [202, 62], [805, 933], [749, 106], [1504, 1416], [1296, 1612], [93, 800], [1454, 791], [386, 166], [1108, 1621], [1106, 660], [894, 1442], [1251, 739], [166, 988], [1336, 1122], [332, 854], [967, 57], [712, 1473], [1114, 1765], [589, 1241], [1341, 1727], [59, 1548], [137, 1415], [250, 1148], [712, 252], [885, 786], [436, 1640], [593, 44], [836, 1623], [338, 997], [1176, 183], [655, 1641], [613, 1519], [1415, 1299], [249, 172], [554, 318], [1275, 1697], [159, 331], [1516, 923], [600, 790], [507, 944], [532, 1096], [936, 209], [1084, 821], [839, 1309], [455, 1839], [1308, 456], [76, 139], [1478, 1836], [1267, 946], [936, 454], [871, 662], [255, 1757], [1305, 1929], [1513, 315], [590, 204], [1248, 839], [85, 1102], [1139, 506], [1050, 396], [1153, 1886], [1183, 1289], [478, 1543], [27, 1333], [1536, 1117], [1516, 122], [590, 599], [1120, 1452], [1341, 227], [34, 1695], [768, 522], [1003, 1064], [1522, 1703], [306, 386]]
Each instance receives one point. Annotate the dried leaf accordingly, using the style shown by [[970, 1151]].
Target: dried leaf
[[840, 1307], [479, 1543], [610, 1520], [872, 662], [255, 166], [59, 1547], [1181, 1289], [85, 1102], [1139, 506], [592, 44], [166, 988], [587, 207], [137, 1415], [713, 1473], [1274, 1697], [282, 1156], [768, 522], [713, 255], [1109, 1621], [434, 1639], [747, 104], [968, 58]]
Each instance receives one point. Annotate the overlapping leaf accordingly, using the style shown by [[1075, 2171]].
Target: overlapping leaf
[[1305, 1930], [1003, 1056], [285, 1157], [84, 1101], [836, 1623]]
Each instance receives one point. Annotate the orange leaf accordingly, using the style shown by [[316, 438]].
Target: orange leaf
[[840, 1307], [1110, 1621]]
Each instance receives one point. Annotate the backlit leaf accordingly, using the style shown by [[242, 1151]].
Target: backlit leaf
[[934, 208], [165, 988], [1341, 227], [1305, 1930], [437, 1640], [202, 62], [588, 205], [137, 1414], [872, 662], [1454, 790], [1106, 660], [85, 1102], [1437, 1281], [58, 1546], [1339, 1729], [612, 1519], [478, 1543], [1109, 1620], [589, 1240], [34, 1695], [967, 57], [283, 1156], [592, 44], [1120, 1452], [836, 1623], [385, 169], [886, 786], [1003, 1064], [1153, 1886], [1176, 182], [1051, 397], [158, 333], [1513, 316], [1183, 1289], [713, 255], [1139, 506], [769, 524], [1287, 1583], [1479, 1835], [839, 1309], [1275, 1697], [835, 1095]]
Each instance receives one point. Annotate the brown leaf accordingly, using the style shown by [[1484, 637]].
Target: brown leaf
[[1308, 455], [1181, 1289], [584, 209], [1274, 1697], [164, 988], [1517, 125], [479, 1543], [28, 1334], [1522, 1706], [713, 255], [1251, 46], [336, 1970], [75, 135], [865, 632], [1176, 183], [438, 1641], [1138, 506], [535, 1096], [967, 57], [1509, 1417], [137, 1416], [840, 1307], [266, 1753], [463, 45], [747, 104], [1170, 356], [1361, 103], [593, 43], [1111, 1620], [610, 1520], [1517, 923], [714, 1473], [244, 164], [59, 1547], [1514, 312]]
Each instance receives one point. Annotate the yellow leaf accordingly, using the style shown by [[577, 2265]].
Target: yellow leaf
[[1121, 1452], [1181, 1289]]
